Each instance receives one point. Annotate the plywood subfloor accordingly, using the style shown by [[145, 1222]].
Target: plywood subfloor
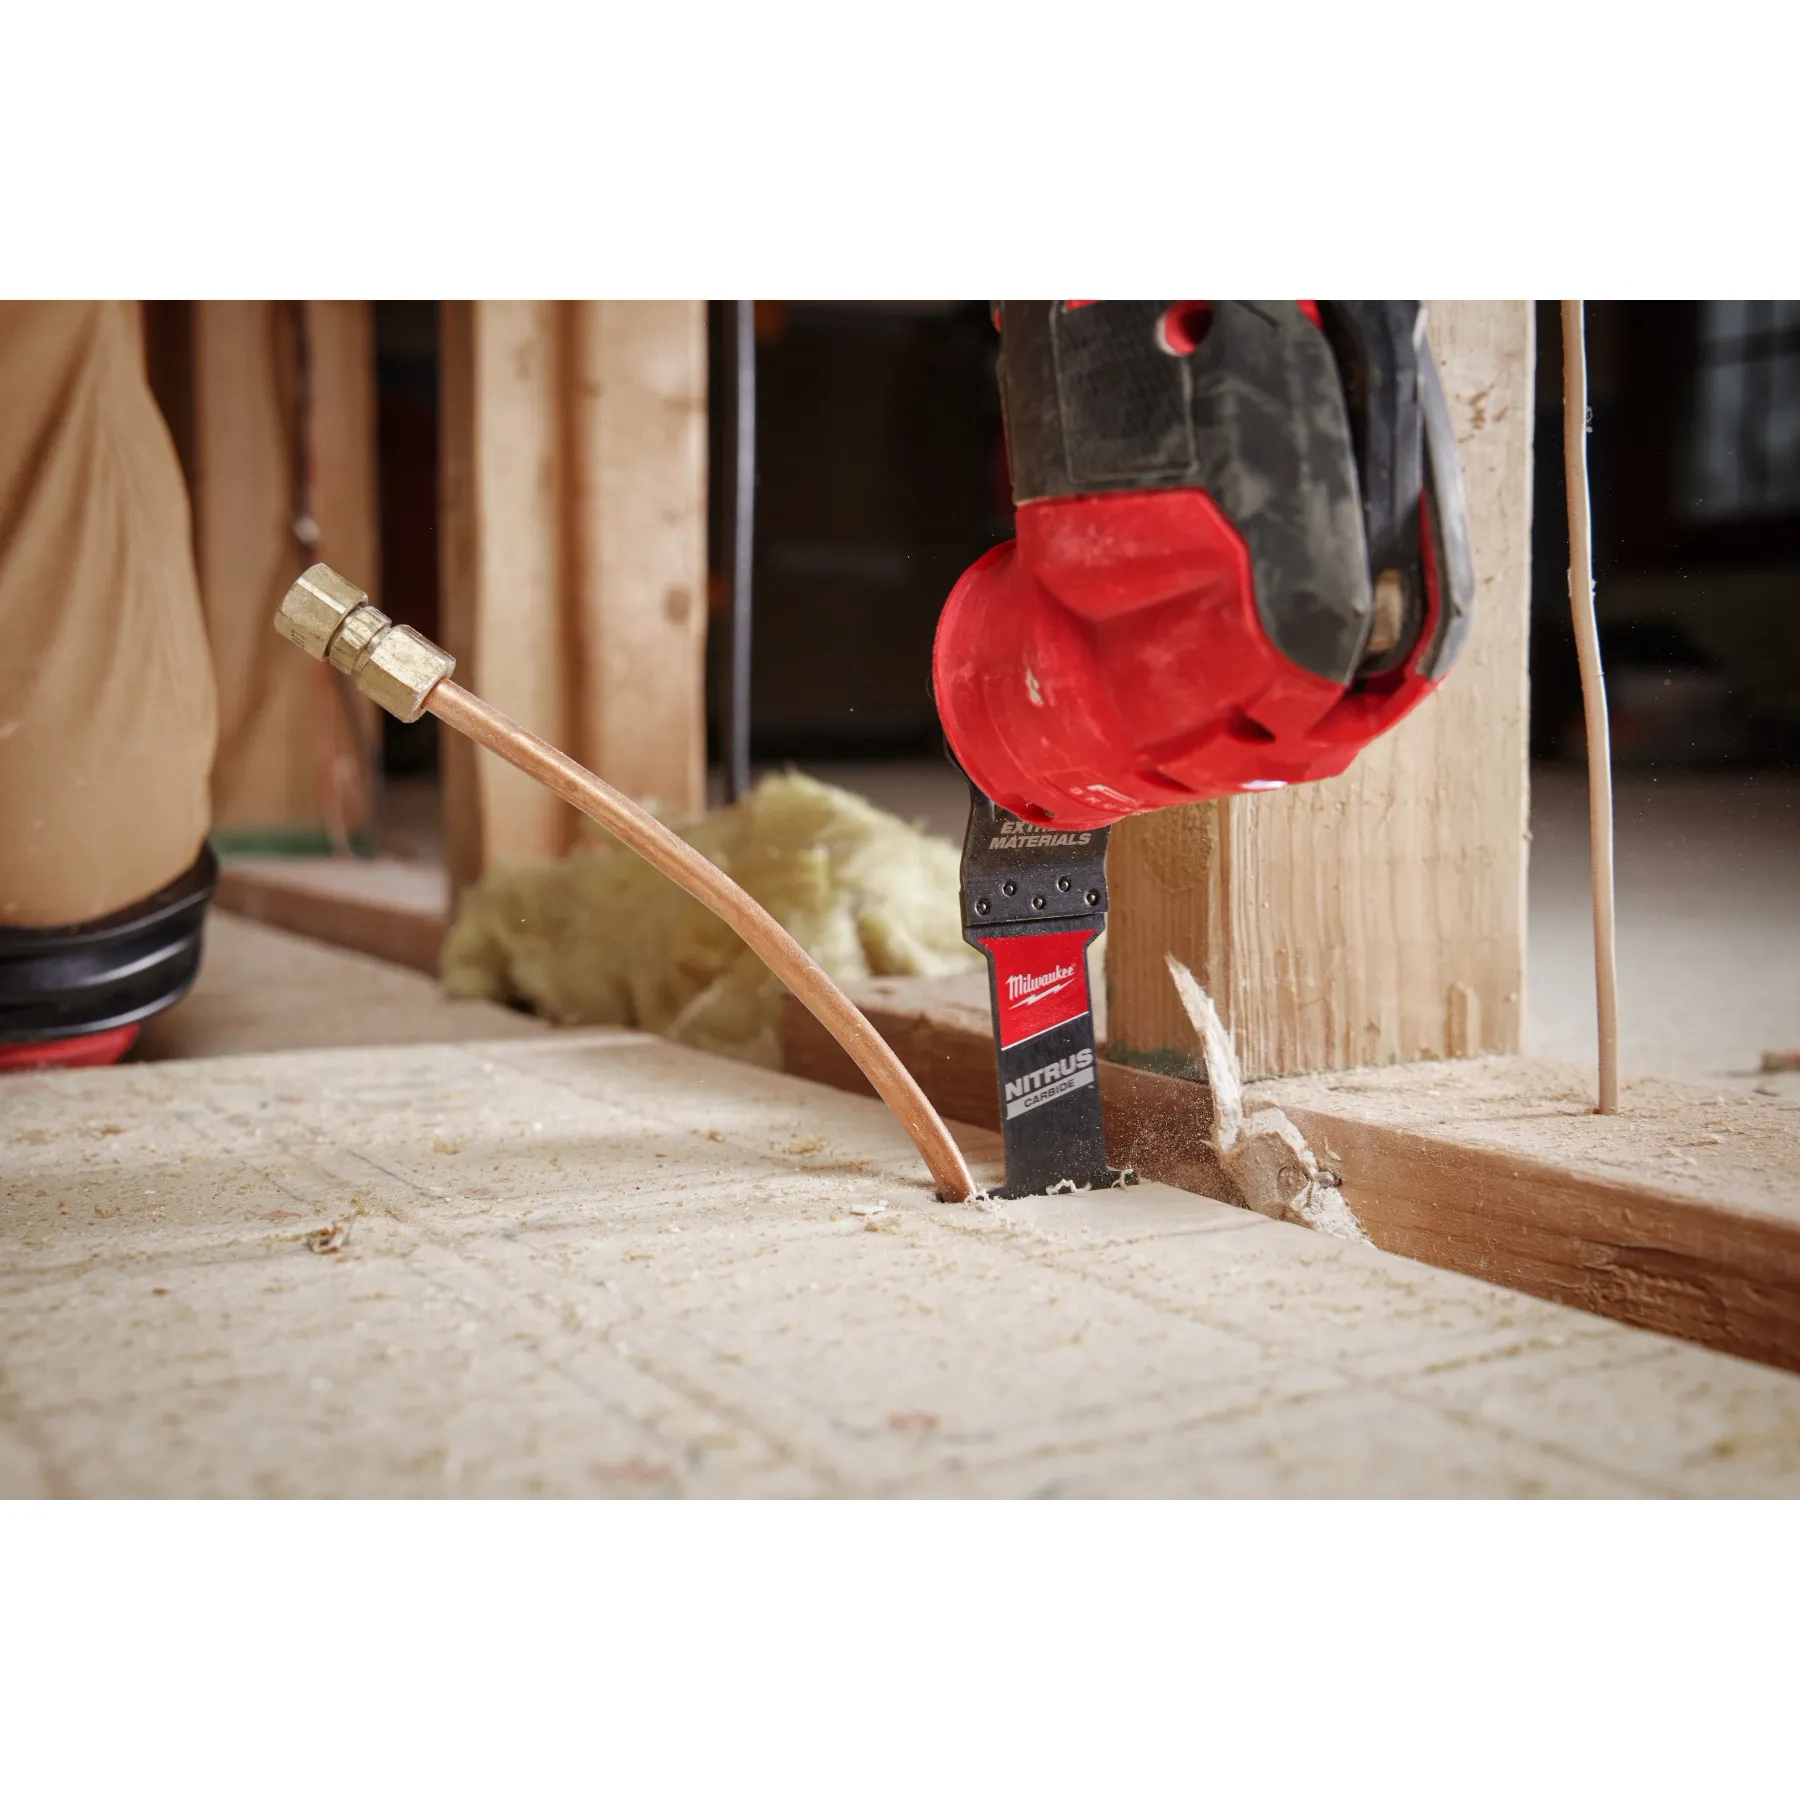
[[598, 1263], [261, 988]]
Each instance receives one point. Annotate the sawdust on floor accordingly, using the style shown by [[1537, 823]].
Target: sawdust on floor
[[644, 1272], [262, 988]]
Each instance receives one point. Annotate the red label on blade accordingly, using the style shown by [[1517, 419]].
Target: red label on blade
[[1040, 981]]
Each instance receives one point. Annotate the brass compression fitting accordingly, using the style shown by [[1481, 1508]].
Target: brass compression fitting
[[333, 620]]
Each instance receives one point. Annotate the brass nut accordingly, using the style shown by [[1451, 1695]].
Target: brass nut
[[315, 606], [400, 670], [355, 635]]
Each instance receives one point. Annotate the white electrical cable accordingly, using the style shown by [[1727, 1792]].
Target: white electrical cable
[[1593, 697]]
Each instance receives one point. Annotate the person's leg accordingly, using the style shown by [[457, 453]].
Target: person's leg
[[107, 717]]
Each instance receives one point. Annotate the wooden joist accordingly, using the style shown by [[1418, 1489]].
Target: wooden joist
[[395, 910], [1682, 1213]]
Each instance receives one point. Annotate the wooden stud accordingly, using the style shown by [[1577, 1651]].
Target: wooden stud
[[574, 532], [639, 539], [345, 495], [345, 490], [457, 564], [504, 568], [1380, 916], [1462, 1033]]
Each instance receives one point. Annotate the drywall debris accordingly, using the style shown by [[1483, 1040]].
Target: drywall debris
[[601, 938], [1260, 1148]]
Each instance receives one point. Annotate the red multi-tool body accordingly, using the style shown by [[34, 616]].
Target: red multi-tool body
[[1242, 554]]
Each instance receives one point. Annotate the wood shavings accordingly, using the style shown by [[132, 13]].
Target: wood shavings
[[1262, 1150]]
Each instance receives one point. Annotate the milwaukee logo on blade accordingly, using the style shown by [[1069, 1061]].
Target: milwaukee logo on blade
[[1062, 1076], [1040, 980], [1028, 990]]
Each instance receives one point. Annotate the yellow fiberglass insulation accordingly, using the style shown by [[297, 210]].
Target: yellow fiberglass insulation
[[601, 938]]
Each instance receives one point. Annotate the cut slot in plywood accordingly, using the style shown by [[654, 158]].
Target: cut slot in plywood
[[1681, 1214], [598, 1263], [942, 1029], [1378, 916]]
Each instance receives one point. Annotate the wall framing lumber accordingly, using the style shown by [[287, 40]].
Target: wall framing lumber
[[1379, 916], [574, 527], [345, 494], [639, 529], [505, 569], [1681, 1214]]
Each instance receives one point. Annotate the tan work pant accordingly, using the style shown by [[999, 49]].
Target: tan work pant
[[107, 708]]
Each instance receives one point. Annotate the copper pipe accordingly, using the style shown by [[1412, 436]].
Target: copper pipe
[[715, 890]]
